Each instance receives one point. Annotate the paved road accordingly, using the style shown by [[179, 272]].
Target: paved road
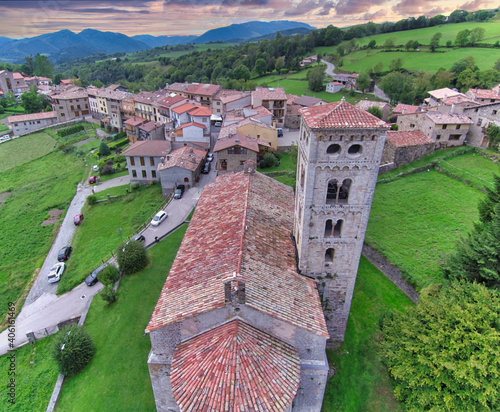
[[329, 67]]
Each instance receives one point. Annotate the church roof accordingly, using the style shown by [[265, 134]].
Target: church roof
[[241, 230], [235, 367], [340, 115]]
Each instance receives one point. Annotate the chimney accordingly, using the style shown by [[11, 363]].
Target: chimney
[[452, 108]]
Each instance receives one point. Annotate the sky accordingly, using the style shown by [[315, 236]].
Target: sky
[[27, 18]]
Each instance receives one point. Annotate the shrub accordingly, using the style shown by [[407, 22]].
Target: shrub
[[2, 110], [268, 160], [109, 275], [135, 185], [91, 200], [65, 147], [70, 130], [108, 294], [107, 170], [73, 350], [104, 149], [132, 257]]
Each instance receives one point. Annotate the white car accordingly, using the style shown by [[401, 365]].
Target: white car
[[56, 272], [95, 168], [159, 217]]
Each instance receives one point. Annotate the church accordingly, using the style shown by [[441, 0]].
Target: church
[[263, 280]]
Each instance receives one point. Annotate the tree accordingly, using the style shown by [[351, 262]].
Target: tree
[[457, 16], [378, 67], [443, 353], [73, 350], [476, 35], [463, 64], [376, 111], [462, 38], [415, 45], [109, 275], [396, 64], [31, 101], [389, 43], [132, 257], [363, 81], [43, 66], [315, 77], [408, 45], [280, 62], [398, 87], [104, 149], [487, 205], [241, 73], [260, 67], [435, 41], [497, 65], [467, 80], [372, 44]]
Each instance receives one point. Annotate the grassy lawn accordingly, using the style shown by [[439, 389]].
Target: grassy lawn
[[36, 187], [360, 60], [3, 128], [416, 219], [361, 382], [103, 178], [118, 377], [25, 149], [36, 375], [98, 236], [113, 191]]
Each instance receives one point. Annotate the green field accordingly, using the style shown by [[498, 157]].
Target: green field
[[36, 374], [98, 235], [118, 378], [360, 60], [25, 149], [362, 382]]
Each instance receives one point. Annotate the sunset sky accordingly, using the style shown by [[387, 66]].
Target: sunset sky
[[26, 18]]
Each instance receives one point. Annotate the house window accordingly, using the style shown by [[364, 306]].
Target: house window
[[337, 230], [134, 174], [329, 255], [144, 174], [444, 126], [237, 150], [455, 136], [328, 228], [242, 162], [72, 107], [153, 174], [438, 137], [412, 125], [132, 161], [338, 194], [141, 159], [494, 112], [186, 180], [223, 164], [333, 149], [458, 126], [151, 161]]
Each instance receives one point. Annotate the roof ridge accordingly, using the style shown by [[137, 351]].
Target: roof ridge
[[243, 226]]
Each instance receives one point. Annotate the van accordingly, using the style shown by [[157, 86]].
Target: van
[[280, 131]]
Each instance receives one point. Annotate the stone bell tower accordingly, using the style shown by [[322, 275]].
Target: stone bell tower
[[339, 152]]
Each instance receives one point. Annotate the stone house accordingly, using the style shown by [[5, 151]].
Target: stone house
[[201, 93], [383, 106], [272, 98], [455, 104], [254, 128], [481, 117], [132, 126], [446, 129], [241, 305], [484, 96], [143, 159], [233, 151], [439, 94], [259, 113], [308, 61], [226, 100], [151, 131], [402, 108], [404, 147], [25, 123], [293, 106], [181, 166], [70, 103]]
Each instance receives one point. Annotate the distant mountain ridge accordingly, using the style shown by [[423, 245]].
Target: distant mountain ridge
[[64, 44]]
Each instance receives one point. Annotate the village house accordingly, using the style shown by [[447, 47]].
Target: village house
[[259, 113], [145, 104], [347, 79], [294, 104], [439, 94], [143, 158], [234, 150], [482, 117], [242, 305], [334, 87], [446, 129], [483, 96], [272, 98], [12, 82], [227, 100], [182, 166], [253, 128], [26, 123], [70, 103], [132, 127], [402, 108], [404, 147], [384, 107], [109, 106], [165, 105], [308, 61], [151, 131], [200, 92]]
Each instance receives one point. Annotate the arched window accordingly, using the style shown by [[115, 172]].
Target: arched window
[[328, 228], [338, 193], [329, 255], [337, 230], [344, 191], [332, 192], [333, 149], [302, 176], [355, 149]]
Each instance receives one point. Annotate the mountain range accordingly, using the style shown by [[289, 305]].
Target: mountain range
[[64, 45]]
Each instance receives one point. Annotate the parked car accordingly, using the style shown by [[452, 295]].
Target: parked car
[[159, 217], [210, 157], [218, 124], [95, 168], [179, 191], [137, 238], [280, 131], [92, 278], [206, 168], [56, 272], [92, 179], [64, 253], [78, 219]]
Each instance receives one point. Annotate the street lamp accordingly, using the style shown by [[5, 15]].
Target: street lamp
[[120, 230]]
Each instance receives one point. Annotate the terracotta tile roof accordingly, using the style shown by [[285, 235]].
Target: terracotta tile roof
[[201, 89], [447, 118], [186, 157], [150, 126], [290, 98], [336, 83], [484, 94], [246, 112], [235, 367], [183, 108], [148, 148], [241, 226], [340, 115], [460, 99], [225, 131], [443, 93], [191, 124], [201, 111], [135, 121], [73, 92], [293, 109], [269, 93], [405, 108], [150, 97], [32, 116], [17, 76], [366, 104], [112, 94], [171, 100], [229, 95], [238, 139], [307, 101], [404, 139]]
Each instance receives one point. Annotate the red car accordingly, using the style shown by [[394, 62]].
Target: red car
[[78, 219], [92, 179]]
